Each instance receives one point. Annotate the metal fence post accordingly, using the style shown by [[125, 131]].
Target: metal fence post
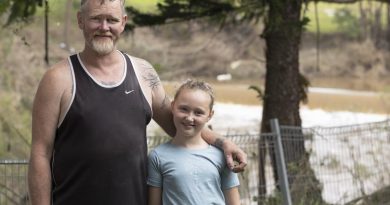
[[280, 163]]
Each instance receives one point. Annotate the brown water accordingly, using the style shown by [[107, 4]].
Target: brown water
[[238, 93]]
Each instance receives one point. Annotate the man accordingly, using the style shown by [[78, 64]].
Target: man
[[89, 119]]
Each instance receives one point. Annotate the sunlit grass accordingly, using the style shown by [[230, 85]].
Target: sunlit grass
[[326, 11], [324, 16], [143, 5]]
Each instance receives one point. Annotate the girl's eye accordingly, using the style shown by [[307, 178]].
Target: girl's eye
[[199, 113], [184, 109]]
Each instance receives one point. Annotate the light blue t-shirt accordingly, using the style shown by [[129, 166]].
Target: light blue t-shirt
[[193, 177]]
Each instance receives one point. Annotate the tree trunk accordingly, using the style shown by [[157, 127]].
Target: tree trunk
[[284, 88], [46, 32], [388, 38], [67, 16], [363, 22], [377, 26]]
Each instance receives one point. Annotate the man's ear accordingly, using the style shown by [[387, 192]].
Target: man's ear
[[125, 18], [124, 21], [80, 20]]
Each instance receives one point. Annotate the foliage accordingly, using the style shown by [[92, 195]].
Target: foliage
[[347, 22], [258, 90], [221, 11], [144, 5], [19, 9], [304, 87]]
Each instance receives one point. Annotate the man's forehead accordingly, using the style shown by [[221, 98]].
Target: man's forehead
[[90, 5]]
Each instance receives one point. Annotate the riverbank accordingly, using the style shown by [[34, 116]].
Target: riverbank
[[337, 99], [242, 119]]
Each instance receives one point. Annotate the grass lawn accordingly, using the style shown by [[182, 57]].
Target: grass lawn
[[326, 13], [143, 5], [325, 16]]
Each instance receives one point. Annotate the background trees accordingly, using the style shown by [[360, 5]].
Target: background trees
[[19, 9]]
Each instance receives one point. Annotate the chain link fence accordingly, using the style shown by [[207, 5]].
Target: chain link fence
[[325, 165], [349, 161], [13, 182]]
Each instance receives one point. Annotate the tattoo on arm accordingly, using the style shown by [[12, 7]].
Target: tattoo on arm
[[150, 75], [219, 142], [152, 79], [165, 102]]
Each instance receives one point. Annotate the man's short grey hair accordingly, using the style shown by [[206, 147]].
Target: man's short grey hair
[[83, 2]]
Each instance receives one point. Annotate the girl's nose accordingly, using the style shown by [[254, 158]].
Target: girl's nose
[[189, 118]]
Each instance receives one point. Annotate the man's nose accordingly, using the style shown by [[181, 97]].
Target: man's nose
[[104, 25]]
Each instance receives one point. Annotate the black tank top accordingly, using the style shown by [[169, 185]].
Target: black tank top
[[100, 151]]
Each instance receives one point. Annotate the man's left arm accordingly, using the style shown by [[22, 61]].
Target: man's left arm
[[156, 95], [232, 151]]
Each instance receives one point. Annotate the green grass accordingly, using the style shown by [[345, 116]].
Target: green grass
[[143, 5], [57, 7], [327, 21]]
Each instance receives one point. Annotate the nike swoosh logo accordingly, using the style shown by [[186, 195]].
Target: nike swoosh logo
[[128, 92]]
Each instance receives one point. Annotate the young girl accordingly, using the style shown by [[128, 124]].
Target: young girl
[[187, 170]]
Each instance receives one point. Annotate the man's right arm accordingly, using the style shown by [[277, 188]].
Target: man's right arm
[[45, 115]]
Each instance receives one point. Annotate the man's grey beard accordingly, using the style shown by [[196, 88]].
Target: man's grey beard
[[103, 47]]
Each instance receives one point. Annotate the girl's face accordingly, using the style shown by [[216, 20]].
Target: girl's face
[[191, 111]]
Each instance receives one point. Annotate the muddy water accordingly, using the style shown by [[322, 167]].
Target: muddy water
[[239, 111], [332, 94]]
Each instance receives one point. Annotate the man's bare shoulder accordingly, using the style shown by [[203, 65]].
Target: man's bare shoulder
[[58, 69], [141, 63], [147, 73], [58, 76]]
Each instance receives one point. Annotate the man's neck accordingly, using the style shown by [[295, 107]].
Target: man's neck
[[92, 59], [107, 69]]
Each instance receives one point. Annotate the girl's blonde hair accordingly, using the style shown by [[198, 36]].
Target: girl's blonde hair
[[197, 85]]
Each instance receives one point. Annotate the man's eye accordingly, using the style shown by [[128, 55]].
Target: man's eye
[[95, 19], [112, 20]]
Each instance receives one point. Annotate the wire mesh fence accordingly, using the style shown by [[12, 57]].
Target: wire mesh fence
[[349, 161], [331, 165], [13, 182]]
